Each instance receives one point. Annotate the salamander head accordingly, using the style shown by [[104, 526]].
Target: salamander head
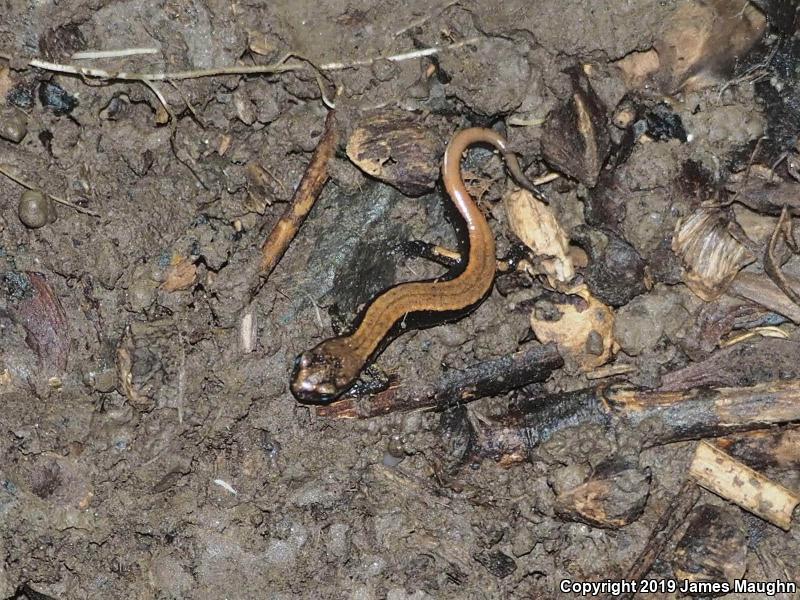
[[324, 372]]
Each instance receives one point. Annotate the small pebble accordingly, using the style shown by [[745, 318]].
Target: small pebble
[[13, 125], [395, 446], [35, 209], [594, 343]]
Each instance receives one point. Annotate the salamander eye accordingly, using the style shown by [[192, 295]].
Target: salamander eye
[[303, 360]]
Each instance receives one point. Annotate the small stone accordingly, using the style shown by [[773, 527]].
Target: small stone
[[35, 209], [13, 125]]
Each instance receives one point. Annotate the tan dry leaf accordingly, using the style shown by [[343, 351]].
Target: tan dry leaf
[[180, 275], [697, 46], [637, 67], [583, 334], [536, 226], [711, 256]]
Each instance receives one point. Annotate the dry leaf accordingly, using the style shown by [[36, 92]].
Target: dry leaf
[[711, 256], [181, 275], [399, 149], [536, 226], [697, 47]]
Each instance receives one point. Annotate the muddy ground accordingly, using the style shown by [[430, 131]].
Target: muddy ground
[[199, 475]]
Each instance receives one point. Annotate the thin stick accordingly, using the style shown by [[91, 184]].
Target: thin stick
[[281, 66], [338, 66], [95, 54], [91, 72], [28, 186], [302, 201]]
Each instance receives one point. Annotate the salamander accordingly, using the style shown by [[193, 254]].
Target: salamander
[[334, 365]]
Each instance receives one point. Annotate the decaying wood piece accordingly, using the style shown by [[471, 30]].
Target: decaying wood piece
[[739, 365], [706, 412], [531, 422], [397, 148], [673, 517], [770, 198], [658, 417], [575, 140], [759, 288], [614, 496], [727, 477], [488, 378], [303, 200], [771, 449], [714, 546]]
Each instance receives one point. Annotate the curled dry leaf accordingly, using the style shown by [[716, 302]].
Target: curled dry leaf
[[711, 256], [180, 275], [575, 139], [697, 47], [581, 327], [759, 288], [398, 149], [536, 226]]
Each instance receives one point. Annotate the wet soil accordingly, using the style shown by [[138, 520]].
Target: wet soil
[[149, 445]]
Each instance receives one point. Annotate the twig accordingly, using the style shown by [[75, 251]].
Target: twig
[[338, 66], [727, 477], [519, 122], [303, 200], [656, 417], [95, 54], [489, 378], [28, 186], [280, 66]]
